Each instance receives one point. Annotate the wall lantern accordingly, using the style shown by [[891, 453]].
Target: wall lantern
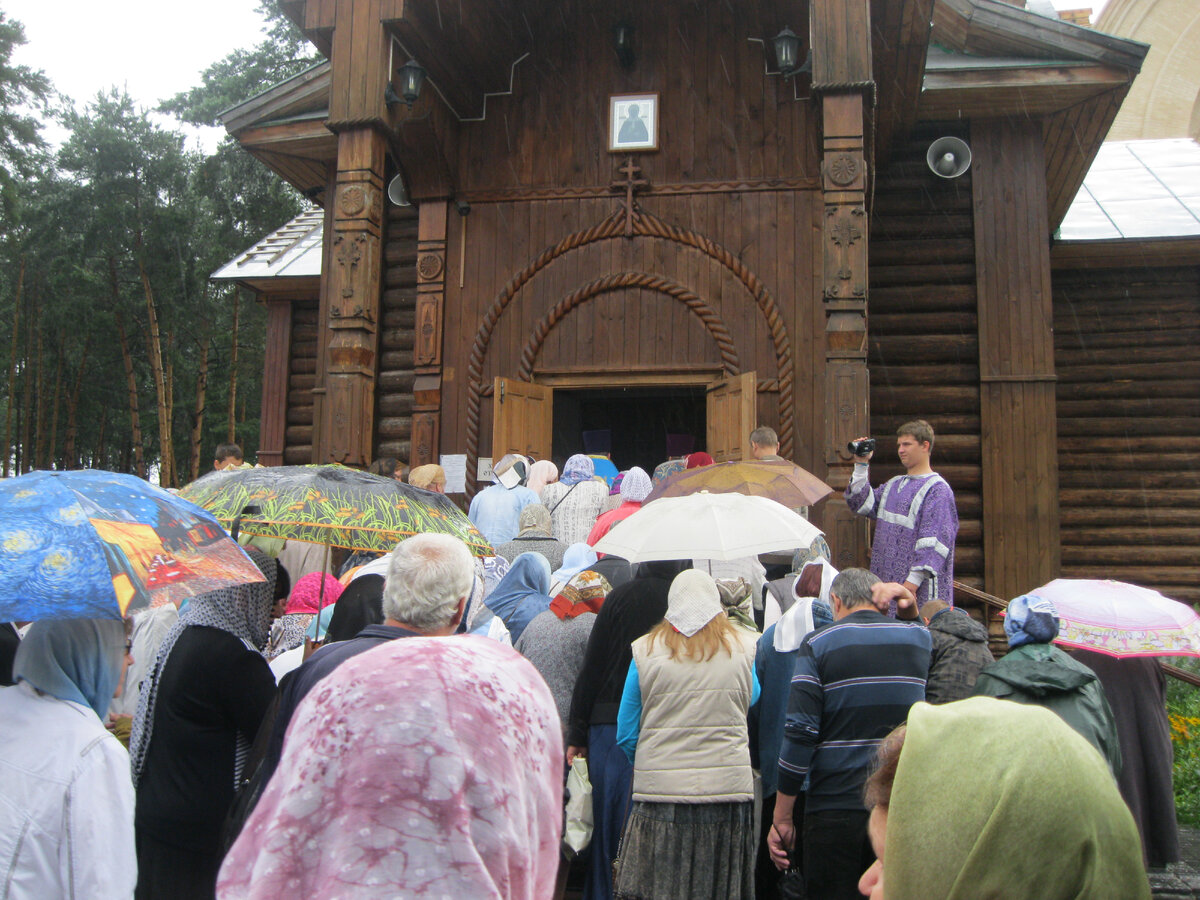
[[787, 54], [412, 76], [623, 44]]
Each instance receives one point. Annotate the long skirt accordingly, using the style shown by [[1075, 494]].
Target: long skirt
[[687, 851]]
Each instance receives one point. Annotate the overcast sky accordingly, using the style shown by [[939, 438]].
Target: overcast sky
[[152, 48]]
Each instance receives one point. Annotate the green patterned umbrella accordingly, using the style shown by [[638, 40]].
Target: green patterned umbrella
[[332, 505]]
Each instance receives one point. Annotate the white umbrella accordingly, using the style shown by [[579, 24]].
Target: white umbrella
[[707, 526]]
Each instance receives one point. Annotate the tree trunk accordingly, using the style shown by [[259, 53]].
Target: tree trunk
[[12, 369], [166, 477], [135, 421], [70, 458], [233, 361], [39, 426], [24, 463], [98, 453], [198, 416], [58, 371], [169, 450]]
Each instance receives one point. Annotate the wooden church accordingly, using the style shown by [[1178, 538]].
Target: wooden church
[[658, 219]]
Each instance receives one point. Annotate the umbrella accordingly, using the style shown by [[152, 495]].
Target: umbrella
[[332, 505], [1121, 619], [707, 526], [781, 481], [93, 544]]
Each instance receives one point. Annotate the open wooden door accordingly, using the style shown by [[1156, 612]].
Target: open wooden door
[[732, 403], [522, 419]]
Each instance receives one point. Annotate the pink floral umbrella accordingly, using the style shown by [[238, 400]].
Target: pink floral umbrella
[[1121, 619]]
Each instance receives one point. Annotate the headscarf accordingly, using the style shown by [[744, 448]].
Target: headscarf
[[636, 486], [318, 628], [73, 659], [360, 605], [576, 559], [807, 613], [698, 459], [999, 799], [578, 468], [243, 610], [583, 593], [693, 601], [511, 470], [448, 782], [541, 473], [308, 596], [534, 516], [1030, 619], [615, 488], [523, 593]]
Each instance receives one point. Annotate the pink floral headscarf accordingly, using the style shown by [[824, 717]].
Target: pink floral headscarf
[[426, 767], [308, 597]]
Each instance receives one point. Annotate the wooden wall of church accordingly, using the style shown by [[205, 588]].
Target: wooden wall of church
[[1127, 348], [397, 310], [923, 330], [302, 376], [645, 330]]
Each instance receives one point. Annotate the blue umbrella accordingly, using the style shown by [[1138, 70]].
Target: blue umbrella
[[94, 544]]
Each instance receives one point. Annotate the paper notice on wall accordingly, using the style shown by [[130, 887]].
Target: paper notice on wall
[[456, 473], [483, 474]]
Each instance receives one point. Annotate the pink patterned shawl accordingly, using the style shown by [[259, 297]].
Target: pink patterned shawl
[[426, 767]]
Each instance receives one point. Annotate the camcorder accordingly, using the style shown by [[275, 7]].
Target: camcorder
[[861, 448]]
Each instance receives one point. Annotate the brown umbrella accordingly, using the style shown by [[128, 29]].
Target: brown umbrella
[[779, 480]]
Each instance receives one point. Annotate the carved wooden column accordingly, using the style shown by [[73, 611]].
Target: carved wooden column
[[840, 35], [427, 356]]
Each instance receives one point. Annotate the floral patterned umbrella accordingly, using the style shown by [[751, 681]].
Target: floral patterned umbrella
[[94, 544], [330, 504]]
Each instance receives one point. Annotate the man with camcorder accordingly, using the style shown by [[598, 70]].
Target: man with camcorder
[[916, 520]]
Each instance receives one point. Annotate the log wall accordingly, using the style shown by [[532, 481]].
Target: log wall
[[923, 330], [302, 376], [1127, 346], [395, 378]]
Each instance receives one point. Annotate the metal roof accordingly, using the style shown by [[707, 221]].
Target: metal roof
[[1138, 190], [289, 252]]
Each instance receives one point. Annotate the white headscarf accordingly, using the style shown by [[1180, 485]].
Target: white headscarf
[[797, 622]]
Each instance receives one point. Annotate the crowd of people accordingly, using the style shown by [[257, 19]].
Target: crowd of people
[[404, 725]]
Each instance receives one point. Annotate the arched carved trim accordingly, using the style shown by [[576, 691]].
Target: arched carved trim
[[619, 281], [643, 225]]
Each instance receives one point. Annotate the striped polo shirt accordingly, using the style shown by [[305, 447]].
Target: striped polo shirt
[[854, 682]]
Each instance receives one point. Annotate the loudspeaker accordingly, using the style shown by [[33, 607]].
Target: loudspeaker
[[397, 192], [948, 157]]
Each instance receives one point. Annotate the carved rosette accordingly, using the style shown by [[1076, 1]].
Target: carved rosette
[[844, 169], [430, 266]]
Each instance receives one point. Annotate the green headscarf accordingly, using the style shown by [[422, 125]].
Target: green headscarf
[[993, 799]]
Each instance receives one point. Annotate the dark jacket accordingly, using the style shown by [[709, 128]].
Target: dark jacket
[[960, 652], [1042, 675]]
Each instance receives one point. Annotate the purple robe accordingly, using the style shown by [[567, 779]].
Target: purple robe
[[916, 523]]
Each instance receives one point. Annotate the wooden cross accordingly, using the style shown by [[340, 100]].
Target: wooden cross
[[631, 185]]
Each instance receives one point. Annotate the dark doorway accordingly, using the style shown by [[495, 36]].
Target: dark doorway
[[639, 419]]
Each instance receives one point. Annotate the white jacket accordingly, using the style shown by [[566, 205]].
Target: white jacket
[[66, 802]]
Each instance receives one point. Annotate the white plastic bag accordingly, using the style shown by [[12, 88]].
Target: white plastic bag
[[577, 833]]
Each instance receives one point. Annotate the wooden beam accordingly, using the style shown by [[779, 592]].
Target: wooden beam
[[1125, 253], [1018, 415], [996, 92], [899, 40]]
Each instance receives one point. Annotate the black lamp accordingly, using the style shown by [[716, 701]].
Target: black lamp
[[787, 53], [623, 44], [412, 76]]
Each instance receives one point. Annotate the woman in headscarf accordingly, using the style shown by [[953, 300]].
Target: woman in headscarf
[[682, 723], [629, 611], [522, 593], [541, 473], [197, 717], [555, 640], [577, 558], [635, 487], [448, 782], [1034, 671], [310, 595], [66, 822], [982, 798], [575, 500]]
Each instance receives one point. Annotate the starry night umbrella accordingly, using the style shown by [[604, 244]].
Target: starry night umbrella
[[332, 505], [95, 544]]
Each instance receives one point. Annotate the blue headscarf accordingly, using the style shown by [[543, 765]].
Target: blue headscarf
[[73, 659], [522, 593], [578, 468], [577, 558], [320, 623], [1030, 619]]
